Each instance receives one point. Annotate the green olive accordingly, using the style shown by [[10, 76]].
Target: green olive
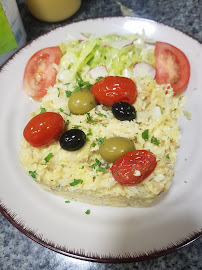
[[113, 148], [81, 102]]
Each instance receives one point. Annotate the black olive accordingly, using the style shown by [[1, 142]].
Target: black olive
[[123, 111], [72, 140]]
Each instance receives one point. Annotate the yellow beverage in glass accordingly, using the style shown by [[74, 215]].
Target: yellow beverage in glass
[[53, 10]]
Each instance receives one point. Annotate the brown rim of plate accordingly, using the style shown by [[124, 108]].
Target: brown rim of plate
[[80, 254], [7, 213]]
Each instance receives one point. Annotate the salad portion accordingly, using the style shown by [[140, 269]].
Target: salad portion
[[106, 131]]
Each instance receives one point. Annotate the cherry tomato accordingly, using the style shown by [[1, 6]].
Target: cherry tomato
[[112, 89], [39, 73], [172, 66], [43, 129], [133, 167]]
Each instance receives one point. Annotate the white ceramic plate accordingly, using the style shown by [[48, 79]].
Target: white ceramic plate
[[107, 234]]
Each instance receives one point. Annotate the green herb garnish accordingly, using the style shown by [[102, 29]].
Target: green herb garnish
[[145, 134], [93, 144], [58, 92], [76, 182], [100, 140], [102, 169], [68, 93], [89, 132], [101, 115], [42, 110], [33, 174], [76, 127], [155, 141], [48, 157], [97, 163], [167, 156], [90, 119], [67, 201], [82, 167], [87, 212], [99, 78], [81, 85], [115, 173]]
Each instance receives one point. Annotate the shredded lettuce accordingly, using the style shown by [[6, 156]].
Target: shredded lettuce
[[81, 55]]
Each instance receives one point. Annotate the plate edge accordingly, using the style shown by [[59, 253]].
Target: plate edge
[[93, 257]]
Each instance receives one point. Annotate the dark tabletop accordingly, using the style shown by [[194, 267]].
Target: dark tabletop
[[19, 252]]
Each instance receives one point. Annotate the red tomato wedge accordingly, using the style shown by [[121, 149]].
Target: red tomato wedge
[[172, 66], [133, 167], [43, 129], [112, 89], [39, 73]]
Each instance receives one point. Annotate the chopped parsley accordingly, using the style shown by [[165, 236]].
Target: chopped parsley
[[76, 182], [68, 93], [167, 156], [89, 132], [33, 174], [42, 110], [61, 110], [67, 201], [145, 134], [100, 140], [101, 115], [82, 167], [67, 83], [93, 144], [81, 85], [76, 127], [99, 78], [185, 181], [87, 212], [48, 157], [90, 119], [99, 167], [155, 141], [97, 163], [102, 169], [115, 173], [58, 92]]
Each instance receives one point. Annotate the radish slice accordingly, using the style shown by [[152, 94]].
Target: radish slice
[[98, 71], [144, 69]]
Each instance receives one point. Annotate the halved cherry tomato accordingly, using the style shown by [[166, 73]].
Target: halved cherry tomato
[[133, 167], [39, 72], [172, 66], [43, 129], [112, 89]]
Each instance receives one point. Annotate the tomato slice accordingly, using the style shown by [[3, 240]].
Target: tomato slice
[[112, 89], [172, 66], [133, 167], [39, 73], [43, 129]]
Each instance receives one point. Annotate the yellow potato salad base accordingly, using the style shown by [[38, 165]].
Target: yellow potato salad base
[[156, 111]]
